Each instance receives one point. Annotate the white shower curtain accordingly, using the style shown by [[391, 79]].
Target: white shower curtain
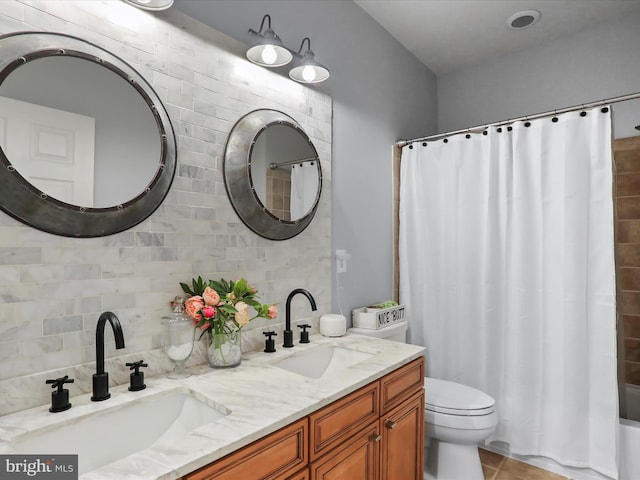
[[507, 273], [304, 188]]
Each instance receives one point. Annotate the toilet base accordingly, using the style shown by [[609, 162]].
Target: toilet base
[[451, 461]]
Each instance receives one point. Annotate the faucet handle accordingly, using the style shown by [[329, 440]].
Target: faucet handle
[[137, 377], [59, 382], [304, 335], [60, 397], [270, 343], [136, 365]]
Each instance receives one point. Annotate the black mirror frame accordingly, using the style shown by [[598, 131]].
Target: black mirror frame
[[33, 207], [239, 183]]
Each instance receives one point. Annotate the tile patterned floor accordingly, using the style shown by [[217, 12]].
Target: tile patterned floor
[[497, 467]]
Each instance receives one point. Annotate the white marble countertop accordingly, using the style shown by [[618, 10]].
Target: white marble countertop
[[258, 397]]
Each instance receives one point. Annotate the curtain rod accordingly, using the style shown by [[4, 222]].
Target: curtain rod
[[480, 128], [292, 162]]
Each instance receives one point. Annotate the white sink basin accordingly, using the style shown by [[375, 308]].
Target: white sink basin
[[103, 437], [321, 361]]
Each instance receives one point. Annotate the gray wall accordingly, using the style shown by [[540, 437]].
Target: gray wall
[[380, 93], [594, 64]]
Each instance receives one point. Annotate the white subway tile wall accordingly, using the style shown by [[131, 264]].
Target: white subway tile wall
[[52, 288]]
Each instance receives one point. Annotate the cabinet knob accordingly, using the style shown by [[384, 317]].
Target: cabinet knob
[[390, 423], [376, 437]]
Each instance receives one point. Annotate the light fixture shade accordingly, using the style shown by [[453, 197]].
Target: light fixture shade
[[309, 71], [269, 53], [155, 5], [268, 50]]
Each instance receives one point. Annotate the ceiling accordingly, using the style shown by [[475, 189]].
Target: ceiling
[[448, 35]]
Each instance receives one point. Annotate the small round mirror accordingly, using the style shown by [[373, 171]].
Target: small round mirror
[[272, 174]]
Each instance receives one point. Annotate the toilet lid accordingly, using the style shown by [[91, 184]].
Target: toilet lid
[[456, 399]]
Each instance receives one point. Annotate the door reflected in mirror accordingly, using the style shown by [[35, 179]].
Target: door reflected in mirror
[[78, 132], [284, 172]]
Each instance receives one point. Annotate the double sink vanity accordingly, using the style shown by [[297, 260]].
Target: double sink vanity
[[329, 409]]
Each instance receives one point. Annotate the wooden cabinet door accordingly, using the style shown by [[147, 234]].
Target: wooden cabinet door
[[355, 459], [274, 457], [402, 449]]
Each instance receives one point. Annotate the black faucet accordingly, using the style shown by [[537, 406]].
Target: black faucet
[[288, 333], [101, 378]]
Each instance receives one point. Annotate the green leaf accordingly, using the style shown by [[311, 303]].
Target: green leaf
[[252, 303], [227, 308], [240, 287], [186, 289], [218, 287]]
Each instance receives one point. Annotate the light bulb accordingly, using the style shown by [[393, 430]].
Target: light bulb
[[308, 73], [269, 55]]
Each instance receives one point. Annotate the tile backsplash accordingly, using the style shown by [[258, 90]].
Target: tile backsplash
[[52, 289]]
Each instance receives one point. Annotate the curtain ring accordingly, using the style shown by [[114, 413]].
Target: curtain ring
[[583, 113], [554, 119]]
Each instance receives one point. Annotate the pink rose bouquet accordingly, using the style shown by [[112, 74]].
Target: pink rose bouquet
[[223, 307]]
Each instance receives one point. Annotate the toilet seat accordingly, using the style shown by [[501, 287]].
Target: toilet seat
[[453, 398]]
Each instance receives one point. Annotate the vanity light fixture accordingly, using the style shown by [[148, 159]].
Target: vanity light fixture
[[308, 71], [155, 5], [268, 50]]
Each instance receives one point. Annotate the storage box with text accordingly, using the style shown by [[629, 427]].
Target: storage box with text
[[375, 318]]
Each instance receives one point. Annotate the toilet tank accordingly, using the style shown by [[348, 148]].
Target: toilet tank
[[396, 332]]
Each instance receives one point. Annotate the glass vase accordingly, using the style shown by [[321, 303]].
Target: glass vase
[[223, 349]]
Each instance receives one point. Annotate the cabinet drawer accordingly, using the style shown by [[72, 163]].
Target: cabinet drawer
[[401, 384], [333, 424], [276, 456]]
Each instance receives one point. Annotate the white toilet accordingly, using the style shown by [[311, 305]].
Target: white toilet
[[457, 418]]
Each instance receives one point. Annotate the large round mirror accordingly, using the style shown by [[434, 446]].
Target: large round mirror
[[86, 146], [272, 174]]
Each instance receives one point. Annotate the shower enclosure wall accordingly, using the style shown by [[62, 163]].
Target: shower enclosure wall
[[627, 217]]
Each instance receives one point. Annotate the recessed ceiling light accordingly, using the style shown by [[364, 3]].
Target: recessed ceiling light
[[523, 19], [150, 4]]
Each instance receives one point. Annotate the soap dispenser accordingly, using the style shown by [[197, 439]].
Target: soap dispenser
[[60, 397]]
